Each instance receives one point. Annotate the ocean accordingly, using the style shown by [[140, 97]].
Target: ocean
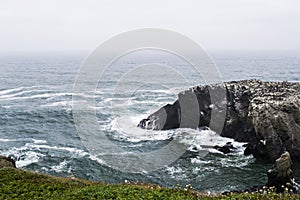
[[37, 127]]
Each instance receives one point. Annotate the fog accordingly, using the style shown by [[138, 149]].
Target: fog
[[70, 25]]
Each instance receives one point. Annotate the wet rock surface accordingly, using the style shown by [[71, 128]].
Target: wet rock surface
[[266, 115], [227, 148]]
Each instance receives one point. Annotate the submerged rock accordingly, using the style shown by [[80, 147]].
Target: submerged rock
[[7, 162], [227, 148], [266, 115]]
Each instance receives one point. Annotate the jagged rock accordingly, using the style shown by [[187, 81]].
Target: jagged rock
[[227, 148], [264, 114], [7, 162], [281, 176]]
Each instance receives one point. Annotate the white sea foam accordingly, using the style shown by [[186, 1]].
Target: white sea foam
[[28, 158], [97, 159], [126, 127], [23, 156], [36, 96], [31, 152], [39, 141], [84, 95], [60, 166], [10, 90], [74, 151], [6, 140], [45, 169], [19, 89], [206, 139], [9, 95], [36, 141], [237, 161], [58, 104], [199, 160], [176, 172], [198, 140], [46, 95]]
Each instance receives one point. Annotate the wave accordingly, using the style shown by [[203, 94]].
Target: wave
[[14, 94], [126, 129], [60, 167], [74, 151], [58, 104], [201, 139], [29, 158], [35, 149], [8, 91], [19, 89], [43, 95], [32, 92], [35, 141]]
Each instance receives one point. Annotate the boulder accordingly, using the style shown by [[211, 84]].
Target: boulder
[[7, 162], [266, 115], [281, 175]]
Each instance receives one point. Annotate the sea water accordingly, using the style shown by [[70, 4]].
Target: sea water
[[37, 126]]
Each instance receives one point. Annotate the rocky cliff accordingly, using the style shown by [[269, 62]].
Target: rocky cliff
[[264, 114]]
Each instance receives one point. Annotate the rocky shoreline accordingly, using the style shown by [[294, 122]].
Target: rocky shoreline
[[265, 115], [280, 177]]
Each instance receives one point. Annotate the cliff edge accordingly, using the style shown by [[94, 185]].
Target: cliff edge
[[266, 115]]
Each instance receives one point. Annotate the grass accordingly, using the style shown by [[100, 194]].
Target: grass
[[20, 184]]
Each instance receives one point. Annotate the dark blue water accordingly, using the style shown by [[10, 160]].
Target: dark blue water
[[37, 126]]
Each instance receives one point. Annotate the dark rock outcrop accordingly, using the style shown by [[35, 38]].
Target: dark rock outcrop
[[7, 162], [281, 176], [227, 148], [264, 114]]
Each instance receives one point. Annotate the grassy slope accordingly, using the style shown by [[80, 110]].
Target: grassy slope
[[20, 184]]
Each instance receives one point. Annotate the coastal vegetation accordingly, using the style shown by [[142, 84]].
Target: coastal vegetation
[[19, 184]]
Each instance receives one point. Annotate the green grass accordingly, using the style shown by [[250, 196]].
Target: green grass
[[20, 184]]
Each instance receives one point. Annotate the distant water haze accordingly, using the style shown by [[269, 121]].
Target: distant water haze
[[69, 25]]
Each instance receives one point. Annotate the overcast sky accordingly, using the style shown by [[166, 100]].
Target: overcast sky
[[50, 25]]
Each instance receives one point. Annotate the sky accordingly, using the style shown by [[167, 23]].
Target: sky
[[70, 25]]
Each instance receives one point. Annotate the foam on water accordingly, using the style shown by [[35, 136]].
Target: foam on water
[[37, 96], [176, 172], [58, 104], [74, 152], [206, 139], [60, 167], [10, 96], [36, 141], [28, 159], [97, 159], [8, 91], [31, 152], [126, 127], [33, 92], [23, 89]]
